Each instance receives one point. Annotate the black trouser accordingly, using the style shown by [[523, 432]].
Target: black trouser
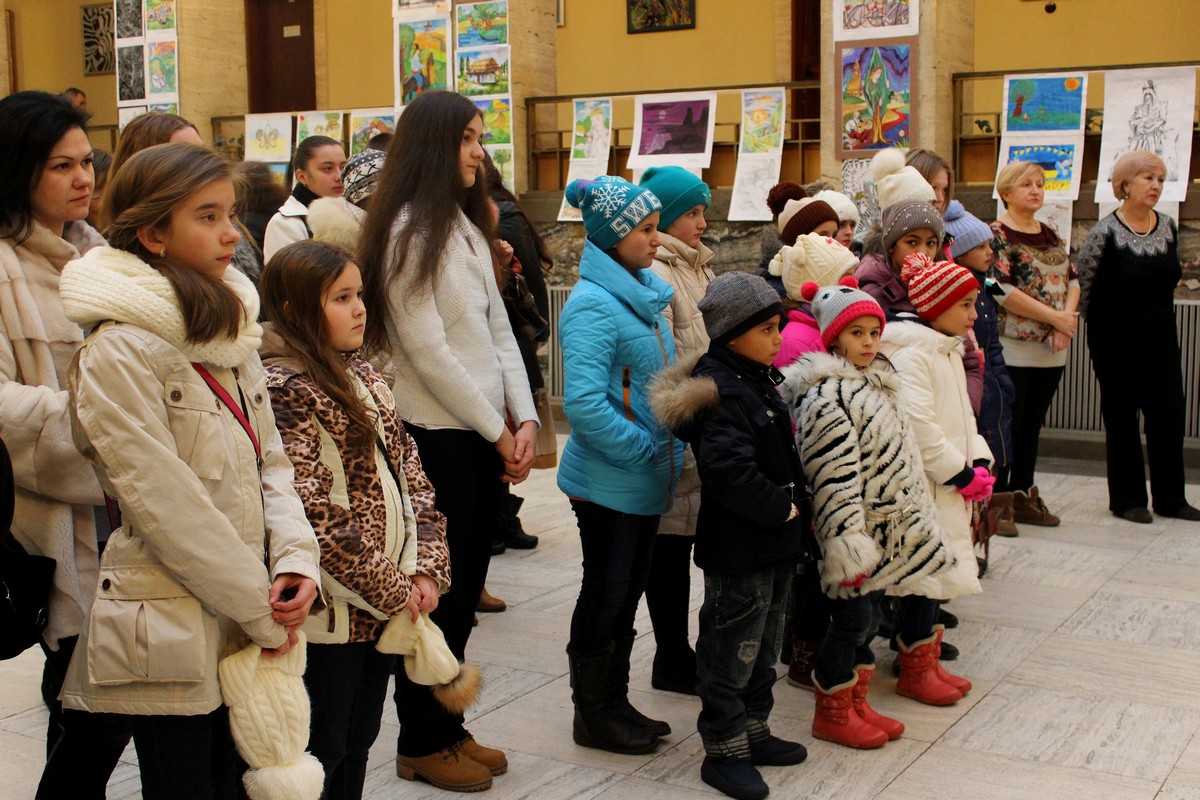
[[1035, 391], [814, 609], [668, 593], [617, 550], [188, 758], [347, 687], [82, 749], [1128, 386], [465, 470]]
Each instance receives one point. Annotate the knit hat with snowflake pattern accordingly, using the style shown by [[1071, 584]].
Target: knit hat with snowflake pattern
[[612, 207]]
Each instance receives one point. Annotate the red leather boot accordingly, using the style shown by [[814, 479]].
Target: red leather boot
[[892, 727], [918, 674], [836, 720], [962, 684]]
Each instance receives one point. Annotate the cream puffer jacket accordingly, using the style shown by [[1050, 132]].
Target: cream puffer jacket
[[933, 390], [184, 581], [686, 269]]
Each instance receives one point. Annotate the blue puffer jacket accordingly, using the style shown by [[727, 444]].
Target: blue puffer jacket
[[995, 415], [614, 340]]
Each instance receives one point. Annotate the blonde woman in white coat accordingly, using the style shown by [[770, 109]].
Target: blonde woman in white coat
[[682, 261], [926, 350], [170, 404], [46, 182]]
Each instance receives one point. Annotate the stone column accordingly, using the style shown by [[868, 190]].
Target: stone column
[[212, 61], [945, 45], [533, 37]]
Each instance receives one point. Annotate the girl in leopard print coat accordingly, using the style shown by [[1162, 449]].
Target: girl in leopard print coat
[[383, 544]]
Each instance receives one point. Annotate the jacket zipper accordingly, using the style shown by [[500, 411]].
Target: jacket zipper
[[671, 443]]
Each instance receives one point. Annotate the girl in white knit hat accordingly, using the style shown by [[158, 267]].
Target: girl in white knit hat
[[170, 405]]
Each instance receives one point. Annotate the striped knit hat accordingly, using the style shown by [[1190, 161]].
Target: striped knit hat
[[934, 287], [835, 307]]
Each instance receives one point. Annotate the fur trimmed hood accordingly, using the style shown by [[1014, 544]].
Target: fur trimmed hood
[[679, 400], [814, 368], [337, 221]]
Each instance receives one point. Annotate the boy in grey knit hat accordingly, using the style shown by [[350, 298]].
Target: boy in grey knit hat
[[752, 526]]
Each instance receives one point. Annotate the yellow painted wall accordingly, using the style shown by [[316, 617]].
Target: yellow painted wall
[[1021, 35], [732, 43], [358, 52], [49, 54]]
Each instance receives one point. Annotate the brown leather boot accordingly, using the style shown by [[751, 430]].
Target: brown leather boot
[[490, 757], [450, 769], [1028, 509], [1001, 504], [488, 604], [918, 674], [837, 721], [892, 727], [804, 658]]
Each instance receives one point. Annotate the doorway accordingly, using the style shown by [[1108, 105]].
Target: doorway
[[280, 58]]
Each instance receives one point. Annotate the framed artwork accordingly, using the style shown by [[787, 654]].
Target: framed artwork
[[874, 19], [673, 130], [421, 51], [651, 16], [99, 44], [1044, 103], [482, 24], [366, 123], [483, 72], [878, 82]]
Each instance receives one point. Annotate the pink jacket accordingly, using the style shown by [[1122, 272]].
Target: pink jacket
[[800, 336]]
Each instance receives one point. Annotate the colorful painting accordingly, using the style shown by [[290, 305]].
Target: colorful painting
[[165, 108], [482, 24], [279, 174], [421, 65], [1037, 103], [874, 19], [162, 68], [131, 73], [763, 113], [1060, 161], [319, 123], [366, 123], [269, 137], [99, 49], [649, 16], [497, 120], [502, 157], [483, 72], [877, 86], [160, 15], [593, 129], [674, 129], [129, 19]]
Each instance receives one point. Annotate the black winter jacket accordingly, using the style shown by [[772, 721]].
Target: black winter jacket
[[731, 414]]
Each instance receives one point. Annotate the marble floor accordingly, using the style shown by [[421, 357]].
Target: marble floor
[[1082, 650]]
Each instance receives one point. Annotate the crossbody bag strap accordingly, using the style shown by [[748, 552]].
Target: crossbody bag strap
[[233, 407]]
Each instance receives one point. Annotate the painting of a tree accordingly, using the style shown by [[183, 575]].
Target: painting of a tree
[[1020, 93]]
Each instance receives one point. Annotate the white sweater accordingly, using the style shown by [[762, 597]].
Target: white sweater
[[457, 363]]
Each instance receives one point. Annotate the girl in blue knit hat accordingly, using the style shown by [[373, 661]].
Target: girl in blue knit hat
[[620, 465]]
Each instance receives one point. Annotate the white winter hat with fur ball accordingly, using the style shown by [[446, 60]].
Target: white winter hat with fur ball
[[896, 182], [812, 259], [842, 205]]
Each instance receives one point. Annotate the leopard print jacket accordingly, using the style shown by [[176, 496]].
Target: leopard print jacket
[[352, 538]]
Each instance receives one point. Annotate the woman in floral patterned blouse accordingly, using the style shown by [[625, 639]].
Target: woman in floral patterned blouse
[[1037, 322]]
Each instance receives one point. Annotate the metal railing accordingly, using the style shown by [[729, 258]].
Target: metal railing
[[1076, 405]]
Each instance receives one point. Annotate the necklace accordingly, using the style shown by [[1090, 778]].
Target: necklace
[[1024, 227], [1133, 230]]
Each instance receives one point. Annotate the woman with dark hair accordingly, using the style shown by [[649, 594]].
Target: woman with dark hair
[[46, 182], [259, 197], [427, 266], [149, 129], [101, 166], [317, 168]]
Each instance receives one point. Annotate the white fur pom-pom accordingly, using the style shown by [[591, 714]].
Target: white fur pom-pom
[[886, 162], [303, 779]]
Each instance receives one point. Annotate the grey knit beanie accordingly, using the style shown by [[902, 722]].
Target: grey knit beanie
[[735, 302], [911, 215]]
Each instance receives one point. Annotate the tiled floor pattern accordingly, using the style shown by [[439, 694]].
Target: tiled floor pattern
[[1082, 649]]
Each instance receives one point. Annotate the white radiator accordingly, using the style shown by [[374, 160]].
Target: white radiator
[[1076, 406]]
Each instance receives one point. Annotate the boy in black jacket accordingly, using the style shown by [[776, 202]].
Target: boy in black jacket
[[752, 529]]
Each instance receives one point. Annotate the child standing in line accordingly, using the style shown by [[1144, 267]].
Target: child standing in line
[[752, 527], [875, 517], [927, 351], [383, 544]]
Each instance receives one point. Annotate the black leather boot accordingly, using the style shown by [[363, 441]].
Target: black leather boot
[[595, 725], [619, 684]]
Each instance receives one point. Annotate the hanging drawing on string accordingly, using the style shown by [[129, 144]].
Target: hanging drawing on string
[[1148, 109], [593, 129], [1060, 160], [269, 137], [1037, 103], [763, 113], [878, 82], [673, 130], [756, 174], [874, 19]]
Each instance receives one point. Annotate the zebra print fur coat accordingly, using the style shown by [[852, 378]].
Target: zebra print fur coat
[[874, 514]]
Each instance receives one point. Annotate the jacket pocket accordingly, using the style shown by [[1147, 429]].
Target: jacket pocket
[[145, 627], [194, 418], [627, 392]]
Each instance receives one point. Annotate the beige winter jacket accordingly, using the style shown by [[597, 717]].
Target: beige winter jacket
[[56, 488], [184, 581], [687, 270]]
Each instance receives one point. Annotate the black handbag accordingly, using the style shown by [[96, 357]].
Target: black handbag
[[527, 323], [25, 580]]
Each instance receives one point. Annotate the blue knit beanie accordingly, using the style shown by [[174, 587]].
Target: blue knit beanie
[[679, 191], [612, 207], [967, 229]]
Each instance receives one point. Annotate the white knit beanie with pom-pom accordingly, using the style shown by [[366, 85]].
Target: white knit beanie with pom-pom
[[269, 718], [896, 182], [429, 661], [813, 258]]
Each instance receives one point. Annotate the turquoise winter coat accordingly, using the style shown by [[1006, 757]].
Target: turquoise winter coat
[[614, 340]]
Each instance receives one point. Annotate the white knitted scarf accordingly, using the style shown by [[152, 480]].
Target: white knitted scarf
[[110, 284]]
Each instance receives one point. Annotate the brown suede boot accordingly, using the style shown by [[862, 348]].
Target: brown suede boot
[[892, 727], [450, 769], [1001, 504], [804, 658], [837, 721], [1028, 509], [489, 604], [490, 757], [918, 674]]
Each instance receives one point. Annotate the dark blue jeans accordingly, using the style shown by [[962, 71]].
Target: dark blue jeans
[[741, 628], [617, 550], [347, 687], [847, 643], [915, 616]]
